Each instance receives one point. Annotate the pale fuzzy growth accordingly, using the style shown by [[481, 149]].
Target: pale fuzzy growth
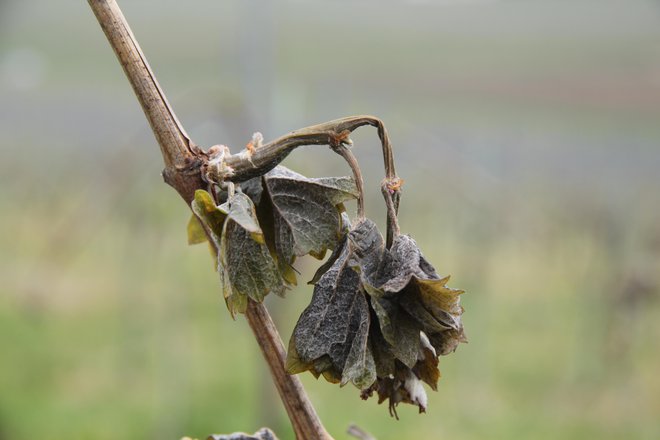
[[251, 147], [217, 168], [257, 139], [416, 391], [217, 154]]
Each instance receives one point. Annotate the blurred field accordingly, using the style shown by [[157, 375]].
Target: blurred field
[[527, 134]]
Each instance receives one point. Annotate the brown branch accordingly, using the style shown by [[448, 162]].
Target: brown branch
[[347, 154], [182, 171], [330, 133], [335, 134], [175, 145]]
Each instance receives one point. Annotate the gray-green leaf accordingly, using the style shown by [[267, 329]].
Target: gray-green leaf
[[307, 219], [331, 336], [245, 264]]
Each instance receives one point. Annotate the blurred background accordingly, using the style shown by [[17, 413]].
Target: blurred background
[[527, 134]]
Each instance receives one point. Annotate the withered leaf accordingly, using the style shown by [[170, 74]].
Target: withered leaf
[[240, 209], [331, 336], [346, 222], [447, 342], [360, 368], [368, 249], [236, 303], [383, 357], [306, 212], [418, 316], [404, 277], [245, 264], [402, 386], [399, 329], [426, 367]]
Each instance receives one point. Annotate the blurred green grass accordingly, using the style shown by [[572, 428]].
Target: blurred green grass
[[530, 154], [112, 327]]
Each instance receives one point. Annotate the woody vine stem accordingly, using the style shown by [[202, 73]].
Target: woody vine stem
[[188, 168]]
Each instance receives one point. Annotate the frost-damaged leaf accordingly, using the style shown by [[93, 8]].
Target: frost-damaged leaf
[[266, 221], [406, 278], [368, 249], [426, 367], [240, 209], [383, 356], [403, 386], [331, 336], [236, 302], [447, 342], [399, 329], [262, 434], [360, 368], [247, 268], [418, 315], [346, 222], [306, 212]]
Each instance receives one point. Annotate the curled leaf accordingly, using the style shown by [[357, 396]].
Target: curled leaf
[[419, 316], [405, 278]]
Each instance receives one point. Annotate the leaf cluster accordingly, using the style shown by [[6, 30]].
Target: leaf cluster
[[379, 318], [258, 228], [380, 315]]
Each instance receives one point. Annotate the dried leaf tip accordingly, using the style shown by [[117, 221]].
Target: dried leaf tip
[[256, 142], [393, 184]]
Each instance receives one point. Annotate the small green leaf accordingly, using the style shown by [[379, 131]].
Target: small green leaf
[[196, 233], [208, 213]]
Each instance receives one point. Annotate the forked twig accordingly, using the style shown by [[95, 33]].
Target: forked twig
[[183, 161], [336, 134], [187, 167]]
